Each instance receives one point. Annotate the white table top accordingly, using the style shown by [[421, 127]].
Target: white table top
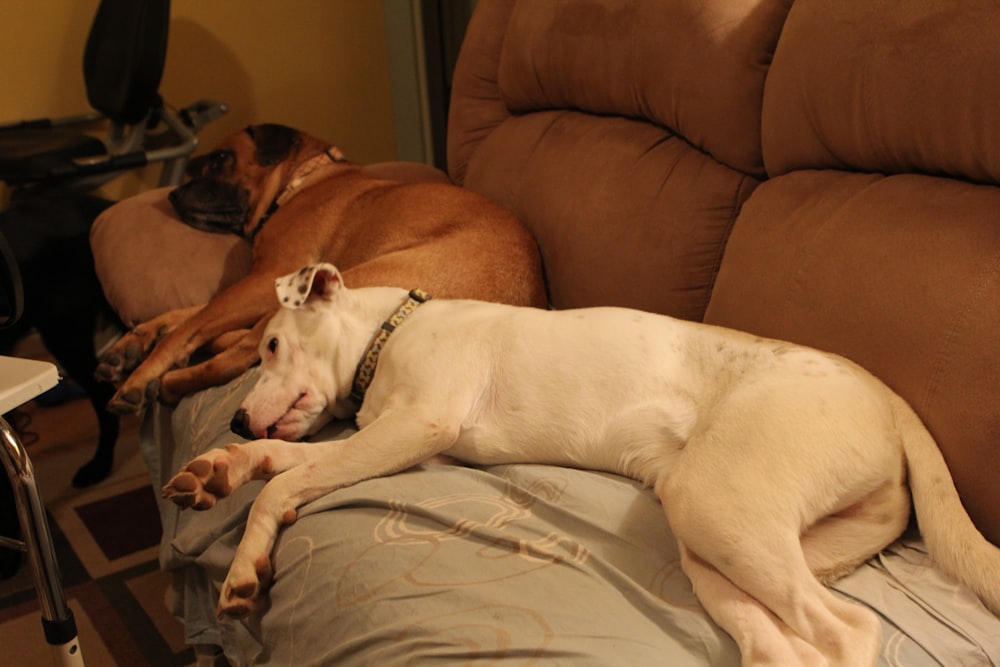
[[23, 379]]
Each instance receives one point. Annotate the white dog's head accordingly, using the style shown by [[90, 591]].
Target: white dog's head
[[308, 358]]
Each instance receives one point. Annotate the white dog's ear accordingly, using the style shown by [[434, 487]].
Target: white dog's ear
[[319, 281], [326, 282]]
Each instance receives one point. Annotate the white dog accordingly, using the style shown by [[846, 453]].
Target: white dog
[[778, 466]]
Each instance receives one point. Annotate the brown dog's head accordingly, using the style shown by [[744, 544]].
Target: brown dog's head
[[231, 187]]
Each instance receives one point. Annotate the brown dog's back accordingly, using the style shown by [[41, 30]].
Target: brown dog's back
[[446, 240]]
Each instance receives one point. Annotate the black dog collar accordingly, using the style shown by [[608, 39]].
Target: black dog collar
[[366, 367]]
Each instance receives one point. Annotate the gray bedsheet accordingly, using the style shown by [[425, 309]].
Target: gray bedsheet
[[505, 565]]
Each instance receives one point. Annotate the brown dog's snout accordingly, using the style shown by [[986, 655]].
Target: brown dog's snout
[[240, 425], [212, 206]]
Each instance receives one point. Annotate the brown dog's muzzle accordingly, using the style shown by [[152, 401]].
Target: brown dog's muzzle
[[212, 206]]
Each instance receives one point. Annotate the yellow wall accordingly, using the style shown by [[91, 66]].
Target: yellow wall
[[319, 65]]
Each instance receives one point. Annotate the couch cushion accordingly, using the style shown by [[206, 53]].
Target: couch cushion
[[900, 274], [624, 213], [889, 87], [694, 66], [149, 262], [627, 157]]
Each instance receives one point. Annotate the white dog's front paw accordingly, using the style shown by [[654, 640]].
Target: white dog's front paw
[[242, 588], [205, 479]]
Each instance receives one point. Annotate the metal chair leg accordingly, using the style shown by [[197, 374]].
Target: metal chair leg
[[57, 618]]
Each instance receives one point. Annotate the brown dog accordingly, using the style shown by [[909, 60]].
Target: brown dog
[[299, 202]]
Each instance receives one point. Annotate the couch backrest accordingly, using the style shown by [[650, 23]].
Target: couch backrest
[[625, 134]]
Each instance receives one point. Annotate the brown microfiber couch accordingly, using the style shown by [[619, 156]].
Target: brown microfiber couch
[[821, 171]]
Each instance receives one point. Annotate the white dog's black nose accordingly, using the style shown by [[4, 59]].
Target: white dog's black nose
[[240, 425]]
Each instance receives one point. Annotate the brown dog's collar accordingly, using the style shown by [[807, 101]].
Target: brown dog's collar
[[307, 169], [335, 154], [366, 367]]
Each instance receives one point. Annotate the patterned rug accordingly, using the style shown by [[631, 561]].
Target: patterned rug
[[106, 540]]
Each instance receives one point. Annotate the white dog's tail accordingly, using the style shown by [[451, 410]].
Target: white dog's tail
[[954, 542]]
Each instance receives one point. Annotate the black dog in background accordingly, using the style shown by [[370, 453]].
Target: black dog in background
[[63, 300]]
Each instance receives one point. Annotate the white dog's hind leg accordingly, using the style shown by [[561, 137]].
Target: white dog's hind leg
[[770, 567], [762, 637], [775, 457], [758, 549], [837, 545]]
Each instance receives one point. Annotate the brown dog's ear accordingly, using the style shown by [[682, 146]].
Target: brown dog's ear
[[273, 143]]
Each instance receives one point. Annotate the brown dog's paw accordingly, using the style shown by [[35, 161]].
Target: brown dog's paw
[[110, 368], [131, 400], [122, 358], [126, 402], [115, 365]]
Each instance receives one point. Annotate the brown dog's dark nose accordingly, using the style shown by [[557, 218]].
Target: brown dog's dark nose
[[240, 425]]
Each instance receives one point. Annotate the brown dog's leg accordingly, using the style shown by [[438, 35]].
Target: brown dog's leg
[[129, 350], [226, 340], [241, 305], [231, 361]]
